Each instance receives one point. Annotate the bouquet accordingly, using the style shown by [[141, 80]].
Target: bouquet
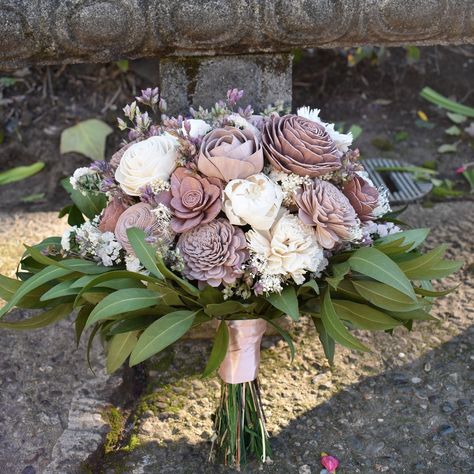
[[235, 217]]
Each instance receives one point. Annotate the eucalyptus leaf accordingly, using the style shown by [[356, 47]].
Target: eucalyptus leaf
[[136, 323], [339, 271], [286, 301], [375, 264], [81, 319], [335, 328], [41, 320], [119, 348], [87, 138], [91, 204], [417, 314], [384, 296], [363, 316], [228, 307], [414, 236], [161, 334], [419, 268], [122, 301], [219, 349], [327, 341], [144, 251]]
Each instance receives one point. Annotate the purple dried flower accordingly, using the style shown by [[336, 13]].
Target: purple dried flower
[[149, 96], [100, 166], [233, 96], [247, 112], [108, 184], [133, 135]]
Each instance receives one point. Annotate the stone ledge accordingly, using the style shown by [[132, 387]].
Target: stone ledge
[[59, 31]]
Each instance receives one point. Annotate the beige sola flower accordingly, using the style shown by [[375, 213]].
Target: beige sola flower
[[297, 145], [288, 249], [230, 153], [213, 253], [323, 206]]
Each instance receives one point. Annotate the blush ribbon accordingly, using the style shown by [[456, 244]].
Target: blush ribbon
[[242, 360]]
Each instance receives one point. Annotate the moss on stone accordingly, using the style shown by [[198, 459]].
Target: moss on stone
[[115, 419]]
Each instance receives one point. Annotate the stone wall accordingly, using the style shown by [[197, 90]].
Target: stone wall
[[59, 31]]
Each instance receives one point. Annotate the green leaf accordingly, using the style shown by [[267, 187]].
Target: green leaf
[[309, 285], [144, 251], [448, 148], [210, 295], [41, 320], [122, 301], [363, 316], [418, 268], [435, 294], [285, 301], [87, 137], [413, 236], [339, 271], [119, 348], [136, 323], [81, 319], [168, 274], [356, 131], [9, 286], [335, 328], [375, 264], [327, 341], [90, 204], [20, 172], [219, 349], [417, 314], [161, 334], [456, 118], [60, 290], [42, 277], [433, 96], [445, 268], [384, 296], [228, 307], [286, 336], [453, 131], [346, 289]]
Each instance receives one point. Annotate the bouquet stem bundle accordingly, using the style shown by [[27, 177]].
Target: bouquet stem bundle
[[239, 425]]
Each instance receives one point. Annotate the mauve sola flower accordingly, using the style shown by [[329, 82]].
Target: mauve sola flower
[[324, 206], [193, 199], [230, 153], [213, 253], [115, 208], [297, 145], [363, 197]]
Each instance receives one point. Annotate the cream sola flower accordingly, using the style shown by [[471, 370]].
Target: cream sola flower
[[288, 250], [342, 140]]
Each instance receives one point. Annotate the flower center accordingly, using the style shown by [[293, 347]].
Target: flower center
[[191, 198]]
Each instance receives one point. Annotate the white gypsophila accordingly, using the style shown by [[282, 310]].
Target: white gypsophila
[[66, 238], [78, 174], [271, 283], [197, 128], [255, 200], [342, 140], [290, 248], [241, 122], [372, 228], [158, 185], [132, 264], [147, 161], [163, 216], [383, 204], [289, 184]]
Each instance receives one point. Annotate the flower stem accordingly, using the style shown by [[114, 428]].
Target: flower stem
[[239, 426]]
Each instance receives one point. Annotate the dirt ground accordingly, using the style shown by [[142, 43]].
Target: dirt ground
[[407, 407]]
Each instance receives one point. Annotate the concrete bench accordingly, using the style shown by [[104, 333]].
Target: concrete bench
[[205, 46]]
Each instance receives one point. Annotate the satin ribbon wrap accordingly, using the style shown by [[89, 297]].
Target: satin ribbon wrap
[[242, 360]]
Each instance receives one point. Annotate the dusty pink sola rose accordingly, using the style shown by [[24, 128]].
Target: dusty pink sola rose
[[213, 253], [111, 214], [322, 205], [140, 216], [297, 145], [362, 196], [230, 153], [193, 199]]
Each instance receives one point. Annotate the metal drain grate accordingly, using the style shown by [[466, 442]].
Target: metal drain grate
[[402, 188]]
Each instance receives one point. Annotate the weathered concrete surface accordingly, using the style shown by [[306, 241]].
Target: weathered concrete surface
[[53, 31], [50, 402], [266, 79]]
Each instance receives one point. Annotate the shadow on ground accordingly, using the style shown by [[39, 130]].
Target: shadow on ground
[[417, 417]]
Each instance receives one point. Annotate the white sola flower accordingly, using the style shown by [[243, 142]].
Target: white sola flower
[[289, 249], [342, 140]]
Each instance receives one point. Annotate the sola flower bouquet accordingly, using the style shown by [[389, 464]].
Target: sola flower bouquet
[[231, 216]]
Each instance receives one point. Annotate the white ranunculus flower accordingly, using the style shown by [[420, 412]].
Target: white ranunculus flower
[[197, 128], [255, 200], [342, 140], [289, 248], [147, 161]]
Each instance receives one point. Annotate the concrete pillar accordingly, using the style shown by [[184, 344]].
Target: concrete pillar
[[196, 81]]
